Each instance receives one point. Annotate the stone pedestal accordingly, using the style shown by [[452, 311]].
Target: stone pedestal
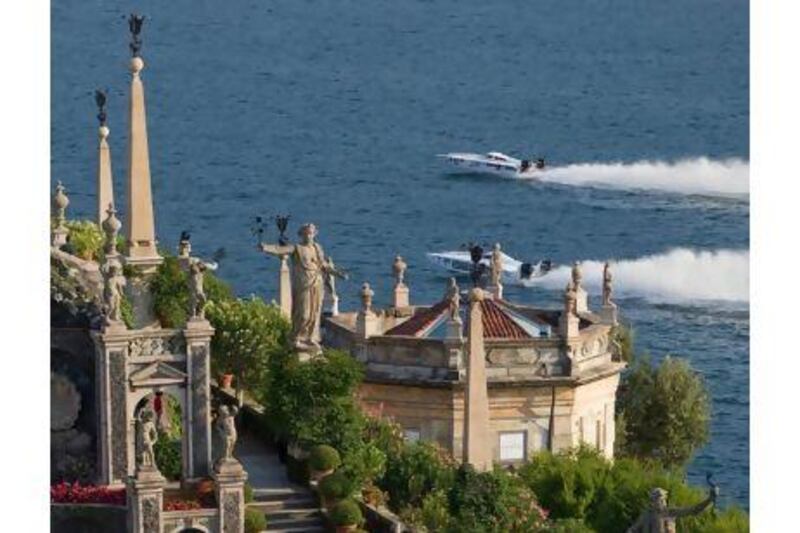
[[401, 298], [366, 324], [59, 236], [145, 493], [569, 324], [229, 477], [454, 344], [608, 314], [285, 287]]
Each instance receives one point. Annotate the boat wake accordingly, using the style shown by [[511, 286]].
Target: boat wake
[[680, 275], [700, 176]]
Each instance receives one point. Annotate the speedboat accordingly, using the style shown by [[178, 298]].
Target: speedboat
[[495, 163], [514, 272]]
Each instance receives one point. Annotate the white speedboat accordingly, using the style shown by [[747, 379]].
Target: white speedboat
[[514, 272], [495, 163]]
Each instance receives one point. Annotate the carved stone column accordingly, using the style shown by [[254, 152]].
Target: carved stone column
[[285, 287], [146, 501], [230, 478], [198, 335], [111, 375], [477, 437]]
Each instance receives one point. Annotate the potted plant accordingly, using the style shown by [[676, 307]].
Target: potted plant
[[323, 460], [346, 516], [333, 488]]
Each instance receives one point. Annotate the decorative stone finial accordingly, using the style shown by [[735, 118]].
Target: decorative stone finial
[[366, 298], [100, 97], [111, 227], [135, 23], [476, 295], [607, 288], [399, 268], [60, 203], [577, 275]]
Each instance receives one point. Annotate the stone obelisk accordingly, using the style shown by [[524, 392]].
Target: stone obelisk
[[105, 182], [140, 223], [140, 236], [477, 443]]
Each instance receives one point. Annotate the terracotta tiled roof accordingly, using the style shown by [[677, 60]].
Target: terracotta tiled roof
[[497, 324], [420, 321]]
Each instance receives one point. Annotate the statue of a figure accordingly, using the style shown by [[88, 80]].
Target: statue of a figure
[[146, 436], [329, 275], [135, 23], [226, 426], [497, 266], [113, 292], [577, 275], [661, 519], [453, 297], [197, 294], [607, 278], [570, 299], [309, 268], [399, 268], [366, 298]]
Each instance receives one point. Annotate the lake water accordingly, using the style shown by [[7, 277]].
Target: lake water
[[333, 112]]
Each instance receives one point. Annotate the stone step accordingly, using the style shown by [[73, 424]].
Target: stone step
[[319, 529], [272, 507], [279, 495], [300, 513], [292, 523]]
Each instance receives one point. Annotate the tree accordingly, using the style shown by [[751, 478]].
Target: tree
[[248, 334], [666, 411]]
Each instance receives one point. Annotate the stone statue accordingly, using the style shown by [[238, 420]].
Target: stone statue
[[661, 519], [329, 275], [399, 268], [100, 97], [607, 278], [453, 297], [113, 292], [197, 294], [226, 426], [146, 436], [366, 298], [309, 268], [570, 299], [577, 275], [497, 266]]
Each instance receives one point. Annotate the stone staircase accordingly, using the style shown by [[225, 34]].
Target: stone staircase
[[293, 510]]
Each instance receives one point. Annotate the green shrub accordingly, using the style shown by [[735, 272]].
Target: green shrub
[[364, 464], [336, 486], [168, 456], [85, 239], [248, 333], [248, 493], [324, 458], [346, 513], [254, 521], [569, 525], [666, 410], [314, 401], [416, 470]]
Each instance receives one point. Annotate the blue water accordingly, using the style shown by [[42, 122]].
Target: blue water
[[332, 111]]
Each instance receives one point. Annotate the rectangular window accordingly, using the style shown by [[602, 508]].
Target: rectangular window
[[512, 446], [411, 435]]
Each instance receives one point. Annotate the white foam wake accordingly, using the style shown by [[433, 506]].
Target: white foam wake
[[679, 275], [727, 178]]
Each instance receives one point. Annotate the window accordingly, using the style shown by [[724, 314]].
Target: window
[[411, 435], [512, 446]]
